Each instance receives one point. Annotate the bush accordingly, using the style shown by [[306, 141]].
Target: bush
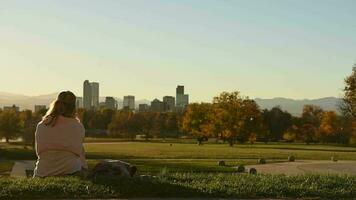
[[261, 161], [241, 169], [291, 158], [253, 171]]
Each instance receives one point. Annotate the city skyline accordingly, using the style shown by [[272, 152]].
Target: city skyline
[[293, 49]]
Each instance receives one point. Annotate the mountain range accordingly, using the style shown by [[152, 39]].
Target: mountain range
[[293, 106]]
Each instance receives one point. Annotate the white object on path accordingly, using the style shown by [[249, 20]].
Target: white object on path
[[20, 167]]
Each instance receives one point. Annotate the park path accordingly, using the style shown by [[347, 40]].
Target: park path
[[20, 167], [307, 167]]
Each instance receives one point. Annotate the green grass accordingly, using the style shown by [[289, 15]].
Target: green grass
[[184, 170], [5, 167], [152, 157], [183, 185], [141, 150]]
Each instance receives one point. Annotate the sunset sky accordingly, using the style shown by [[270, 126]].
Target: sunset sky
[[263, 48]]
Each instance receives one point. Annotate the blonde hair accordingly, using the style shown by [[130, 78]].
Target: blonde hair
[[64, 106]]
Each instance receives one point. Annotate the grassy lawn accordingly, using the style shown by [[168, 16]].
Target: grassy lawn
[[142, 150], [184, 170], [183, 185], [154, 156]]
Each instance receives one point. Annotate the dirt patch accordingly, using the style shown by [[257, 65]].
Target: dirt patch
[[307, 167]]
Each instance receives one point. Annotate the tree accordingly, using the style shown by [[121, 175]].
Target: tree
[[277, 122], [310, 123], [252, 121], [30, 121], [172, 124], [121, 125], [348, 105], [308, 132], [10, 125], [196, 120], [329, 127], [348, 108], [234, 115]]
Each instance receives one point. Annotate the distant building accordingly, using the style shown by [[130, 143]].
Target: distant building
[[182, 100], [87, 97], [169, 103], [129, 102], [157, 106], [90, 95], [143, 108], [110, 103], [12, 108], [39, 108], [95, 94], [79, 102]]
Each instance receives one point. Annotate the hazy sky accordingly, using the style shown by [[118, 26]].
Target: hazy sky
[[263, 48]]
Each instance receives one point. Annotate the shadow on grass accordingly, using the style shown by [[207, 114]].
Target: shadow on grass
[[147, 187], [17, 154]]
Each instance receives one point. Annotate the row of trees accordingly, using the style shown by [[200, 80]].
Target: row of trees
[[230, 117], [22, 124], [234, 118]]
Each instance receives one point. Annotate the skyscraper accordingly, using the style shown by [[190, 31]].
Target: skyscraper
[[129, 102], [94, 94], [169, 103], [143, 107], [182, 99], [90, 94], [110, 103], [157, 106], [79, 102], [87, 97]]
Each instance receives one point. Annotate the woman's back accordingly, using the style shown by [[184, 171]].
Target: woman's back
[[59, 140]]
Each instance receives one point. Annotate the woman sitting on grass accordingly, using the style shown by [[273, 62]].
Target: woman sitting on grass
[[59, 140]]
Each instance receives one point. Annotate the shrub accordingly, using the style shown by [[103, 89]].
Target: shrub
[[241, 169], [291, 158], [253, 171], [261, 161]]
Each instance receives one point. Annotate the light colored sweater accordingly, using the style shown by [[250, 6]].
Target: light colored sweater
[[60, 148]]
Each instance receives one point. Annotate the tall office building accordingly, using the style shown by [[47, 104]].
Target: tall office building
[[129, 102], [110, 103], [79, 102], [182, 99], [157, 106], [143, 107], [90, 95], [87, 97], [94, 94], [169, 103]]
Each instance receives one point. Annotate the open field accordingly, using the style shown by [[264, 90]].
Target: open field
[[142, 150], [186, 170], [154, 156]]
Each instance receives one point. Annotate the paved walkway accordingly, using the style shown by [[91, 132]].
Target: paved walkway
[[20, 167], [307, 167]]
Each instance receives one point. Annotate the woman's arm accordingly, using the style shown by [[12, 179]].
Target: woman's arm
[[82, 159]]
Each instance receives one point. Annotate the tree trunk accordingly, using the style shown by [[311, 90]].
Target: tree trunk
[[7, 140], [231, 142]]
